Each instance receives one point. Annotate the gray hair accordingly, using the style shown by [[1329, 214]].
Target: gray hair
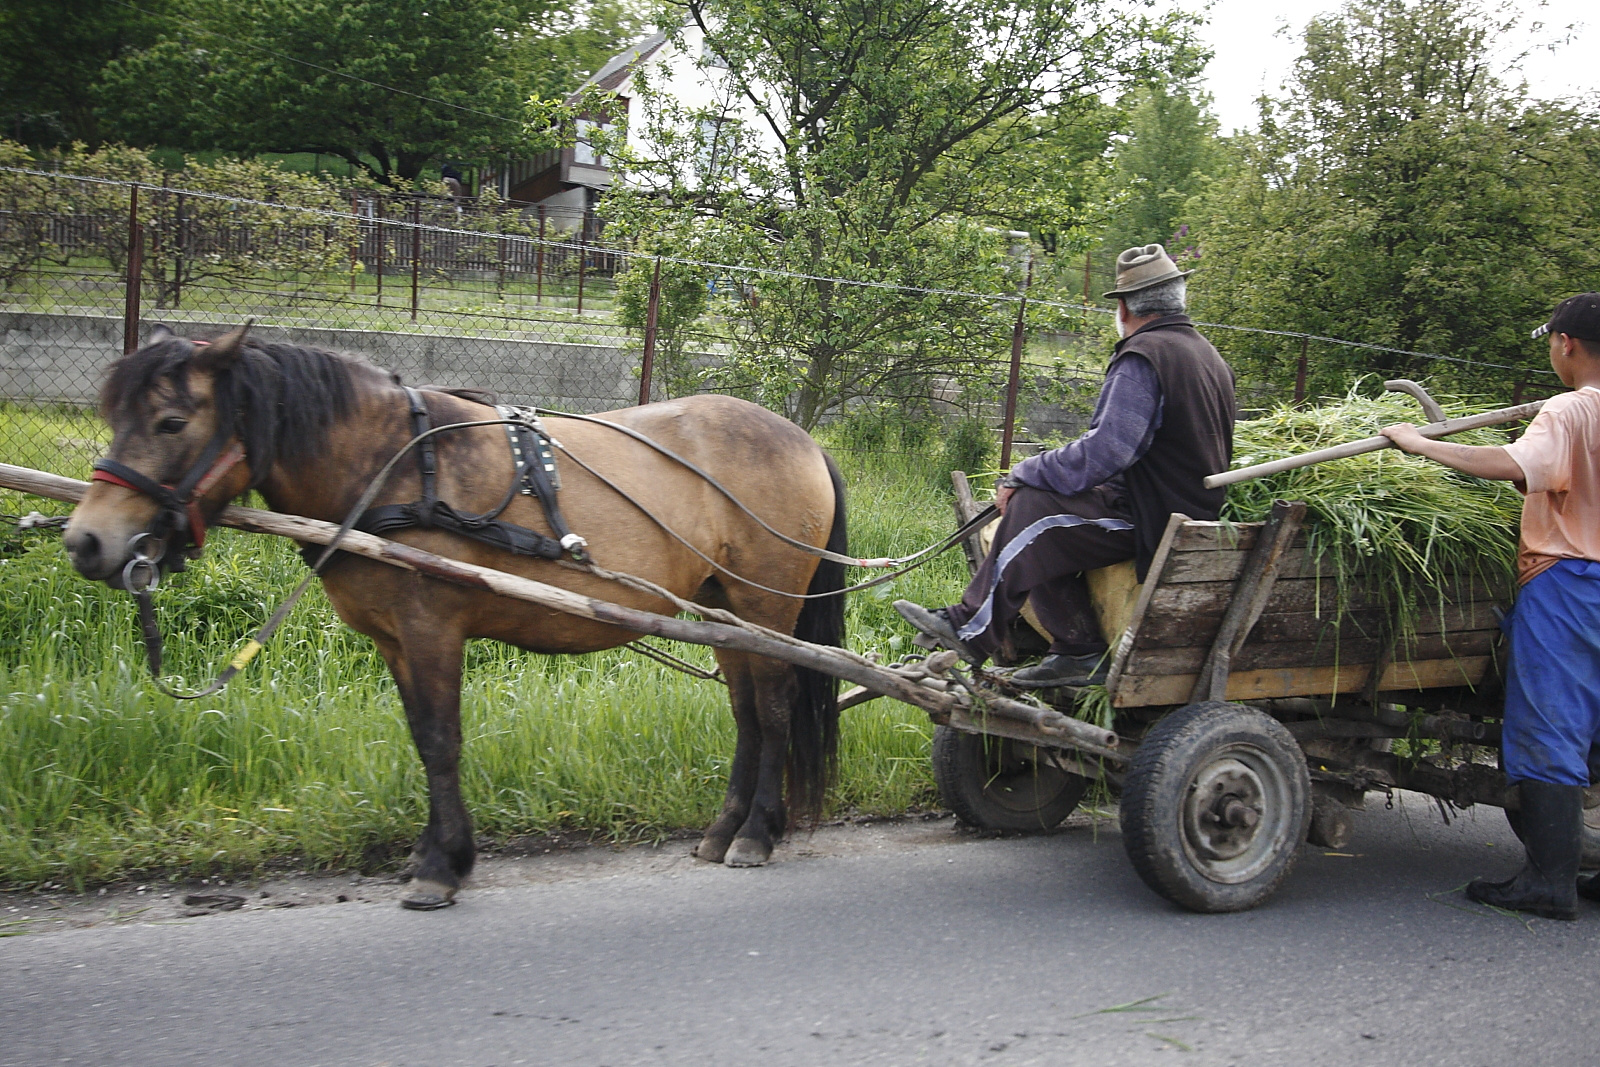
[[1168, 298]]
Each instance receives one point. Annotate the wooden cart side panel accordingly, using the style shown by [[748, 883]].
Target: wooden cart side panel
[[1144, 690], [1152, 581], [1303, 644]]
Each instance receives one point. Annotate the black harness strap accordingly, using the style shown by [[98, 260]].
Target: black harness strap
[[535, 466]]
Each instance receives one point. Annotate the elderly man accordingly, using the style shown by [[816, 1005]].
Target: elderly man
[[1163, 422]]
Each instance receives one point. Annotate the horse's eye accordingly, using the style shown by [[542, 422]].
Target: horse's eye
[[172, 425]]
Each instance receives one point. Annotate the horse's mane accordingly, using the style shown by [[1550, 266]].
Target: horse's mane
[[279, 399]]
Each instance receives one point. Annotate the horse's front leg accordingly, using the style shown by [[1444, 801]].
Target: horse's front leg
[[427, 670]]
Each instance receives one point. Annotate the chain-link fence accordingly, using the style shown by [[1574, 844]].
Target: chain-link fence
[[438, 290], [533, 308]]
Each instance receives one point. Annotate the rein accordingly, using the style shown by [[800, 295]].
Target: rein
[[180, 512]]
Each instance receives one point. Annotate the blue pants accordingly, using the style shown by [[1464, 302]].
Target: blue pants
[[1552, 716]]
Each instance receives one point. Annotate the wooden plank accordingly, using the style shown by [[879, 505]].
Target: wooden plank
[[1178, 631], [1287, 654], [966, 510], [1134, 692], [1152, 581], [1224, 565], [1250, 595], [1196, 599]]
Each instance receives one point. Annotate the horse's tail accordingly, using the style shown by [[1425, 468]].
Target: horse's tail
[[814, 721]]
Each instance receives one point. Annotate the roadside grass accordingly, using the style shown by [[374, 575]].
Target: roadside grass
[[305, 757]]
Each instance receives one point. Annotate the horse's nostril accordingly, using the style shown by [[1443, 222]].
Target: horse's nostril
[[83, 546]]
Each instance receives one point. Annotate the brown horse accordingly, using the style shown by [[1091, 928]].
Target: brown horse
[[315, 427]]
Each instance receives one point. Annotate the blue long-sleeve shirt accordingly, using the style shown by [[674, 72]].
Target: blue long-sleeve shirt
[[1125, 421]]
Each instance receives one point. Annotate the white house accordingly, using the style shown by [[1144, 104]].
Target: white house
[[563, 184]]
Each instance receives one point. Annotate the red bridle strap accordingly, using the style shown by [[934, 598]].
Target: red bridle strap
[[197, 524]]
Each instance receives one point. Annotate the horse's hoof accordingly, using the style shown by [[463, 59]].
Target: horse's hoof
[[710, 849], [428, 896], [747, 852]]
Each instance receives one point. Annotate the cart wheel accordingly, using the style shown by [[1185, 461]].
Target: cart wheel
[[1214, 806], [1591, 835], [995, 783]]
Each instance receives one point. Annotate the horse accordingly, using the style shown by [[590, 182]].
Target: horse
[[310, 429]]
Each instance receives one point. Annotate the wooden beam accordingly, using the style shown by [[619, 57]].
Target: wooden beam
[[1250, 595]]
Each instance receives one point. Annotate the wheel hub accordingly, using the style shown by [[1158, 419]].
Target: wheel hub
[[1224, 810]]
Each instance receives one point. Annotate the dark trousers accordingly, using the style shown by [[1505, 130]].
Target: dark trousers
[[1043, 545]]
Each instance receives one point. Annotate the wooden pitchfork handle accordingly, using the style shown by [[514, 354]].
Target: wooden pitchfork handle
[[1441, 427]]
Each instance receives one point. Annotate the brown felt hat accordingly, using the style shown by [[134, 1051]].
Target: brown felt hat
[[1142, 267]]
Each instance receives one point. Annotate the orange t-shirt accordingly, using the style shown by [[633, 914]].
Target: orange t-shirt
[[1560, 460]]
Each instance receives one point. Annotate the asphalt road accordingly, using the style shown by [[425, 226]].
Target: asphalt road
[[907, 943]]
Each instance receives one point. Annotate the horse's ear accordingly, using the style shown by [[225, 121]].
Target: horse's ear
[[160, 332], [224, 351]]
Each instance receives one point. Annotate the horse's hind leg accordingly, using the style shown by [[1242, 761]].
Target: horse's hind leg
[[753, 816], [427, 670]]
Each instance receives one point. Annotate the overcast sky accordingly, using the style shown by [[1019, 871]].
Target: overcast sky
[[1251, 57]]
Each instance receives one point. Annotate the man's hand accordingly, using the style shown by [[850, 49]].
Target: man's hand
[[1002, 496], [1405, 437]]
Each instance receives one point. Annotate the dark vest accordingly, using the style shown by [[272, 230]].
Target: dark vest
[[1196, 434]]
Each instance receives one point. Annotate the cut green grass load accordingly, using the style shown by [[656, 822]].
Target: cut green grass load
[[1400, 529]]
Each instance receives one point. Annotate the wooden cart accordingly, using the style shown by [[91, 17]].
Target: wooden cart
[[1252, 710]]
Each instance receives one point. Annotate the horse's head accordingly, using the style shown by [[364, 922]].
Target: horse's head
[[176, 457]]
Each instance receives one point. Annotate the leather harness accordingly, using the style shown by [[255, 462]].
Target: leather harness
[[535, 475]]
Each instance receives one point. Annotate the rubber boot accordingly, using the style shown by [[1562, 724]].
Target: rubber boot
[[1552, 836]]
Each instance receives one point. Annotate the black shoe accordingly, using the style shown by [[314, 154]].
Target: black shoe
[[1057, 669], [936, 625], [1552, 836], [1589, 888]]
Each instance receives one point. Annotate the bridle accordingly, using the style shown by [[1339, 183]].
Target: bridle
[[179, 528], [157, 549]]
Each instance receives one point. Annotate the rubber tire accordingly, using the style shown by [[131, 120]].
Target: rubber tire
[[1189, 742], [983, 780], [1590, 860]]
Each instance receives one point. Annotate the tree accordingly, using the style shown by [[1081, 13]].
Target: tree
[[1169, 154], [389, 85], [565, 42], [52, 53], [1402, 195], [878, 141]]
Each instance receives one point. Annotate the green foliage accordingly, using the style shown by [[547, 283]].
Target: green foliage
[[879, 142], [1399, 527], [1170, 155], [563, 44], [226, 75], [969, 446], [1401, 194], [51, 54]]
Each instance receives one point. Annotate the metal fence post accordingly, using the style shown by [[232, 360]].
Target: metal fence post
[[1300, 372], [355, 241], [178, 228], [416, 252], [652, 310], [538, 284], [1088, 261], [378, 212], [583, 255], [130, 304], [1018, 330]]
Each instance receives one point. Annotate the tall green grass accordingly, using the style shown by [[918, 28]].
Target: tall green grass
[[306, 754]]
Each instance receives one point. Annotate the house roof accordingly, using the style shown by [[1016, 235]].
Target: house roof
[[618, 67]]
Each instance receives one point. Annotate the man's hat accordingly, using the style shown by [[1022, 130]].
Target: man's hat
[[1140, 268], [1576, 316]]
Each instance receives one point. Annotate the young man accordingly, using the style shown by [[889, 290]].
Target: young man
[[1551, 731]]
